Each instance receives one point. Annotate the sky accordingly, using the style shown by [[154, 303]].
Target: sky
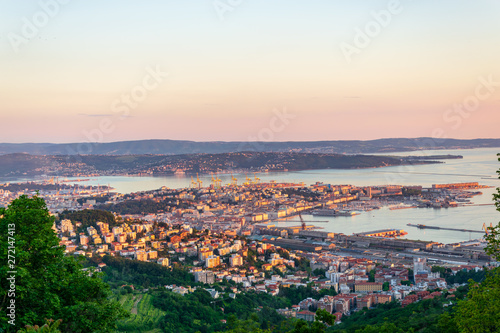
[[248, 70]]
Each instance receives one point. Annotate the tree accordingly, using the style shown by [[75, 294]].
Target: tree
[[325, 317], [371, 275], [44, 282], [480, 312], [301, 326], [384, 328], [447, 324], [493, 235], [50, 326]]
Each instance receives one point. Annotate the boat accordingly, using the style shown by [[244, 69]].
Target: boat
[[324, 212], [347, 213], [401, 207], [333, 212]]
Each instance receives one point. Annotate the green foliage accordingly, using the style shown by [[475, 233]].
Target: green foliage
[[48, 284], [120, 271], [480, 312], [89, 217], [371, 275], [189, 313], [296, 294], [50, 326], [420, 316], [262, 304], [144, 316], [325, 317], [493, 236], [302, 192], [98, 199], [242, 326], [383, 328], [319, 272], [147, 206], [447, 324], [410, 275], [302, 326], [461, 276], [464, 276], [411, 192]]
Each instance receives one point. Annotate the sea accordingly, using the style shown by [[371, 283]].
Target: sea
[[477, 165]]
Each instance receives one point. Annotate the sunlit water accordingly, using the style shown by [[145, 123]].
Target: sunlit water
[[478, 165]]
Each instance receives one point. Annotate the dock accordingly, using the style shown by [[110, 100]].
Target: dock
[[389, 233], [423, 226]]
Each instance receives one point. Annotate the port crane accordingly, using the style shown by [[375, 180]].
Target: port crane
[[54, 180], [248, 180], [193, 183], [200, 183], [257, 180], [486, 228], [302, 223]]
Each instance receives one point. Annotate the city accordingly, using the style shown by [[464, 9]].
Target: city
[[233, 166], [232, 232]]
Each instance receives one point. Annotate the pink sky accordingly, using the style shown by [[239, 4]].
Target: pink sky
[[422, 74]]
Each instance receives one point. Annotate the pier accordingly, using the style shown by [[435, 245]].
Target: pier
[[423, 226], [389, 233]]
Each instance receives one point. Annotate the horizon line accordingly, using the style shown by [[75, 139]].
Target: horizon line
[[265, 142]]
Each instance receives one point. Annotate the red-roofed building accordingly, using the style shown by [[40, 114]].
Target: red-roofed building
[[365, 301], [409, 299], [306, 315], [326, 303], [381, 298], [338, 316], [422, 294]]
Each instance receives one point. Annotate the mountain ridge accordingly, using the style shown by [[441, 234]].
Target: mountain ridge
[[173, 147]]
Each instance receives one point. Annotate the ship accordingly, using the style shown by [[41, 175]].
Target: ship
[[333, 212], [423, 226], [401, 207], [347, 213]]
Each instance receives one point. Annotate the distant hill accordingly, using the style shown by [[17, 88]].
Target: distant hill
[[173, 147], [25, 165]]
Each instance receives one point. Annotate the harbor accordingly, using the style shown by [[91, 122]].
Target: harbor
[[423, 226]]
